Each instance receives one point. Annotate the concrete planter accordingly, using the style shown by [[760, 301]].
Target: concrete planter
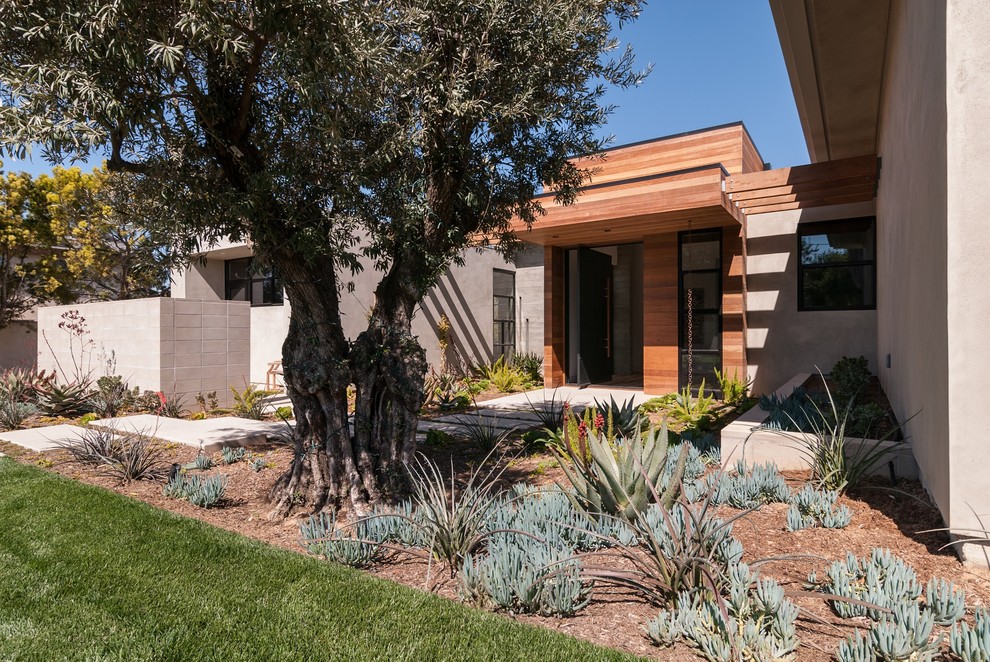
[[743, 439]]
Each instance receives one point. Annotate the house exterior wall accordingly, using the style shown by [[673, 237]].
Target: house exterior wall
[[177, 346], [967, 107], [529, 300], [19, 345], [912, 324], [780, 340]]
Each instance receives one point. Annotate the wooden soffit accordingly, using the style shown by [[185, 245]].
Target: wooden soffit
[[801, 187], [624, 211]]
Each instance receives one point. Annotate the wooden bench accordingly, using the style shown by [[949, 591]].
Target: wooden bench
[[272, 375]]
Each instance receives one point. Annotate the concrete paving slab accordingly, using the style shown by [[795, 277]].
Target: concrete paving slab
[[44, 439], [210, 434], [576, 396]]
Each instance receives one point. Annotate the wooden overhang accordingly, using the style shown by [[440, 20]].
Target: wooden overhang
[[815, 185], [657, 186]]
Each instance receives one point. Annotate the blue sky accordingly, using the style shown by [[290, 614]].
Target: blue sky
[[715, 61]]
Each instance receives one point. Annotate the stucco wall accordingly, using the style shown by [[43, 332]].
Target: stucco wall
[[177, 346], [19, 345], [780, 340], [968, 297], [911, 236], [529, 300]]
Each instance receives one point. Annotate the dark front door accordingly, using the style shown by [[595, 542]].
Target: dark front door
[[595, 321]]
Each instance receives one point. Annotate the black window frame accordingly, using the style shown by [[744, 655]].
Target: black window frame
[[270, 276], [499, 349], [821, 227], [713, 235]]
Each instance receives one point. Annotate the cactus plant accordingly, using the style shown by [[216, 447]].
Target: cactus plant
[[621, 480]]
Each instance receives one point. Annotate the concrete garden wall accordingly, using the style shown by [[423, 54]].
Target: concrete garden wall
[[177, 346], [743, 439]]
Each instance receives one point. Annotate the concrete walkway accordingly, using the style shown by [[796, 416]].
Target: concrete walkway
[[43, 439], [210, 434]]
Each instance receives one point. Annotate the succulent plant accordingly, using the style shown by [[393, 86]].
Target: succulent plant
[[203, 462], [946, 603], [882, 580], [621, 480], [972, 644], [199, 491], [753, 486], [357, 546], [623, 419], [69, 400], [14, 413], [811, 507], [231, 455]]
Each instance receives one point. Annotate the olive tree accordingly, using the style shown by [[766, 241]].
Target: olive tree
[[331, 134]]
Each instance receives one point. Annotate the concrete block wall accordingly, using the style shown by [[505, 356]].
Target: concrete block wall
[[178, 346]]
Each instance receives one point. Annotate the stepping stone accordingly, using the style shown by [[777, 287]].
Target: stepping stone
[[44, 439]]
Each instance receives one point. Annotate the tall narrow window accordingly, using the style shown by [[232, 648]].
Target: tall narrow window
[[838, 265], [701, 307], [504, 317], [246, 280]]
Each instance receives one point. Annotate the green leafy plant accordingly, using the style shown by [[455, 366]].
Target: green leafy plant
[[530, 364], [111, 396], [620, 480], [13, 413], [504, 376], [249, 403], [658, 404], [86, 419], [202, 492], [284, 413], [850, 376], [231, 455], [691, 410], [437, 438], [866, 419], [733, 389], [172, 407]]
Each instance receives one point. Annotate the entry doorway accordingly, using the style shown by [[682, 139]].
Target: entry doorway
[[604, 312]]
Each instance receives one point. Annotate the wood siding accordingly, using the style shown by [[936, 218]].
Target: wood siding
[[660, 315], [554, 321]]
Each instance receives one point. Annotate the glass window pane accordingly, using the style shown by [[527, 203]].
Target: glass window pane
[[703, 288], [497, 334], [237, 291], [699, 252], [838, 287], [504, 284], [239, 269], [272, 291], [703, 366], [257, 292], [704, 332], [836, 243]]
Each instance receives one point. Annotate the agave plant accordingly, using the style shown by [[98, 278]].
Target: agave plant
[[623, 419], [621, 480], [13, 413], [70, 400]]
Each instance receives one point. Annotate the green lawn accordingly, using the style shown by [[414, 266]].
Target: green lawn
[[88, 574]]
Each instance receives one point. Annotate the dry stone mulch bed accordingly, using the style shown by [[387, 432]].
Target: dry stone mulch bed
[[881, 518]]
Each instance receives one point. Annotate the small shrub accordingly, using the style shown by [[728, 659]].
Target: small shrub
[[693, 411], [257, 464], [865, 420], [536, 441], [231, 455], [249, 403], [850, 376], [20, 385], [86, 419], [95, 446], [503, 375], [197, 416], [658, 404], [139, 459], [13, 413], [550, 411], [284, 413], [202, 492], [172, 407], [208, 402], [111, 396], [530, 364], [733, 389]]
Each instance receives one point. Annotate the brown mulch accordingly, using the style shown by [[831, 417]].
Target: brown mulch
[[882, 517]]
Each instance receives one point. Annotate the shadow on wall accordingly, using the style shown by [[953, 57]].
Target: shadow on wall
[[782, 341], [468, 342], [19, 345]]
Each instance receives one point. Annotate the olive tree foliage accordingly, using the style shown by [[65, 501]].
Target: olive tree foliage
[[331, 132]]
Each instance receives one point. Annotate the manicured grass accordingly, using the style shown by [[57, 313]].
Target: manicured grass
[[89, 574]]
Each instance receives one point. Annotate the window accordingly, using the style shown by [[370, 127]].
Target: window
[[246, 280], [701, 307], [504, 290], [838, 265]]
